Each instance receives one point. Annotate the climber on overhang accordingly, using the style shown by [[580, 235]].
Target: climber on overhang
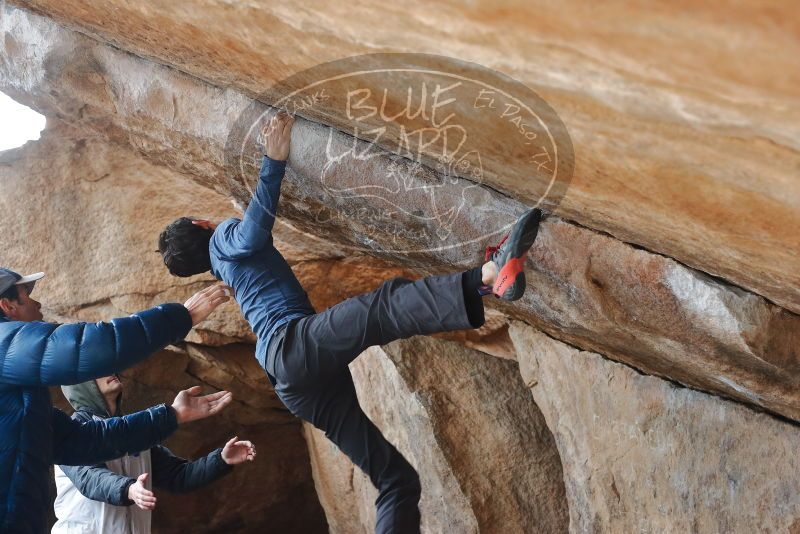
[[37, 354], [306, 354]]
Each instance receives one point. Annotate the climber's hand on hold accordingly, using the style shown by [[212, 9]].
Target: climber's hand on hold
[[277, 134]]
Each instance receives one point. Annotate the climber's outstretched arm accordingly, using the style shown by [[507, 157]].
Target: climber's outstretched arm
[[254, 232]]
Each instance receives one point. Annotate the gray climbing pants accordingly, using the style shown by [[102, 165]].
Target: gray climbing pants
[[307, 362]]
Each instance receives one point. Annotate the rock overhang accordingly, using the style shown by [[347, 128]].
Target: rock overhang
[[587, 288]]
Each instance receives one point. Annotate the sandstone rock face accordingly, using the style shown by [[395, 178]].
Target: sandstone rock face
[[101, 261], [655, 314], [98, 212], [345, 493], [467, 424], [686, 126], [642, 455], [622, 302]]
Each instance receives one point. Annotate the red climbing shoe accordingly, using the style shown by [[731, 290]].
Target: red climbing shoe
[[509, 256]]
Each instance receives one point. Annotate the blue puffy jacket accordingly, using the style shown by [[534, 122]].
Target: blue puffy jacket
[[34, 435]]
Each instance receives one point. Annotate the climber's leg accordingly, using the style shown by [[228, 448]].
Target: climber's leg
[[319, 347], [335, 410]]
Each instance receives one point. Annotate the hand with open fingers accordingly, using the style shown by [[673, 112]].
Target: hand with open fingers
[[205, 301], [140, 495], [190, 406], [237, 452], [277, 135]]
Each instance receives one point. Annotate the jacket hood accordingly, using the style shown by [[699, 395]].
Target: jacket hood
[[87, 396]]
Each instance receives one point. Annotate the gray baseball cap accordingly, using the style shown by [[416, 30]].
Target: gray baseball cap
[[9, 278]]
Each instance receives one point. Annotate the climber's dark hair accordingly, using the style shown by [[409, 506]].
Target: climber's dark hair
[[184, 247]]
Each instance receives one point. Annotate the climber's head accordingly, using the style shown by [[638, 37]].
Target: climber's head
[[184, 246]]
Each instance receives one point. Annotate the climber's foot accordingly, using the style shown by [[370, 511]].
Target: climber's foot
[[509, 256]]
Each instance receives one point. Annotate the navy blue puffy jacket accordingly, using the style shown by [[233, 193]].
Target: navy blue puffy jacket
[[33, 434]]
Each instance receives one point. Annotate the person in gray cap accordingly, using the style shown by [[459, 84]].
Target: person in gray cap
[[35, 354], [15, 302]]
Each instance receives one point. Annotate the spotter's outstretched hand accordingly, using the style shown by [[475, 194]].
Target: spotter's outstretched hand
[[190, 406], [205, 301], [237, 452], [140, 495]]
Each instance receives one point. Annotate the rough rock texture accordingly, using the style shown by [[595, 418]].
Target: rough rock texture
[[653, 313], [466, 422], [686, 125], [109, 207], [628, 304], [642, 455], [347, 496]]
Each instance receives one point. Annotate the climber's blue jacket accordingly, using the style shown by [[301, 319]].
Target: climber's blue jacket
[[244, 257], [34, 435]]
